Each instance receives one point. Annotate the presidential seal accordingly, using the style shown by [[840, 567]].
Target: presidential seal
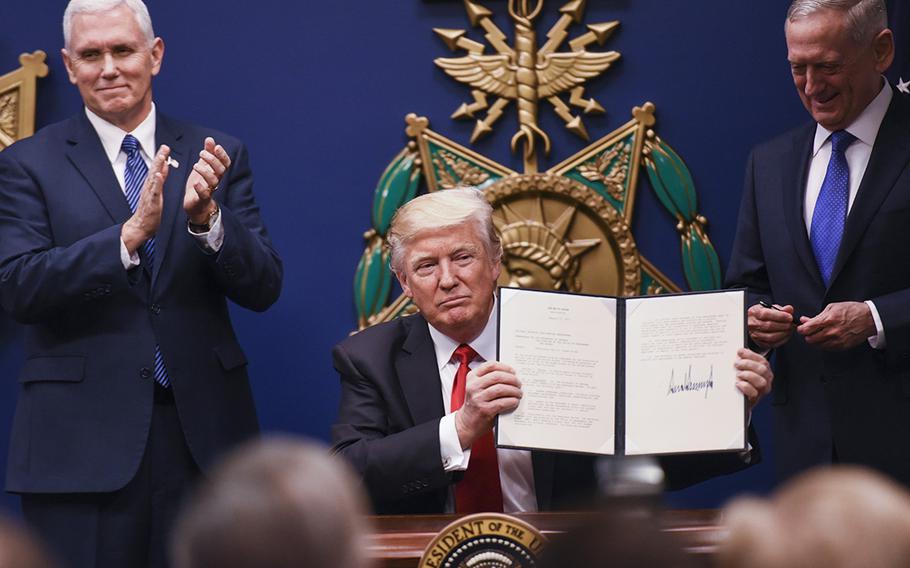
[[484, 540]]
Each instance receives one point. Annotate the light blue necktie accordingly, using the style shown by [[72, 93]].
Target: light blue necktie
[[133, 179], [830, 213]]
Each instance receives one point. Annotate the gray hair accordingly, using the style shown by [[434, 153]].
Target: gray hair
[[276, 502], [94, 6], [865, 18], [440, 210]]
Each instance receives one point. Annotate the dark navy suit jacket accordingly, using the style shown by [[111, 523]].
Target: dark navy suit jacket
[[388, 429], [86, 389], [854, 403]]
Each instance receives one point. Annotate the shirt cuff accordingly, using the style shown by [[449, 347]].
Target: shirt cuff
[[212, 239], [128, 260], [453, 457], [877, 341]]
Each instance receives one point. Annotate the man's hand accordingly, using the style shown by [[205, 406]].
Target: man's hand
[[769, 327], [145, 221], [490, 389], [203, 180], [753, 375], [841, 325]]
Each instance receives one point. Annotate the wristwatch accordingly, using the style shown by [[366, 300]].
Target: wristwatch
[[204, 227]]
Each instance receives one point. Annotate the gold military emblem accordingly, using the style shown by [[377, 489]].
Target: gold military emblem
[[557, 234], [525, 73], [569, 226]]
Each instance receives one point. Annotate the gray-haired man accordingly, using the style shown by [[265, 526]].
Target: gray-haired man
[[123, 233]]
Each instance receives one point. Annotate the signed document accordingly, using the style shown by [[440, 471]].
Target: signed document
[[612, 376]]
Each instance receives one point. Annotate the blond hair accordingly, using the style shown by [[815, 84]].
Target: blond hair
[[837, 517], [442, 210]]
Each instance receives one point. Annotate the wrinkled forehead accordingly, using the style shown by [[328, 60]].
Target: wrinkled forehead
[[819, 38], [444, 241]]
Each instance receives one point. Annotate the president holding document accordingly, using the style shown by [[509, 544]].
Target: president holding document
[[419, 395]]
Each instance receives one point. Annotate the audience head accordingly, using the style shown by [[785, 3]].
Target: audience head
[[19, 549], [276, 503], [843, 516], [618, 537]]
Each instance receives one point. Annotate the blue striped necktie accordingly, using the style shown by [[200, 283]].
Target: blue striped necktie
[[133, 180], [830, 213]]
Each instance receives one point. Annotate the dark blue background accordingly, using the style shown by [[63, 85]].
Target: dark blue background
[[319, 91]]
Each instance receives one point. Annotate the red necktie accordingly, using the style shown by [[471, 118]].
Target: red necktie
[[479, 489]]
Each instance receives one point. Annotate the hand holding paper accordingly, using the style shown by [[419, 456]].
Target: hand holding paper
[[753, 375], [491, 389]]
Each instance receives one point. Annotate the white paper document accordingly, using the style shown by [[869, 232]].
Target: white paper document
[[681, 393], [563, 349], [603, 375]]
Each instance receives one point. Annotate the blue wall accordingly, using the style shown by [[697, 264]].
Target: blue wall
[[319, 91]]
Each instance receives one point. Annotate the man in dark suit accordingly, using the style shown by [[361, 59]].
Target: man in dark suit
[[419, 394], [823, 228], [119, 254]]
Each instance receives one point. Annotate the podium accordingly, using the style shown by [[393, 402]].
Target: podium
[[399, 541]]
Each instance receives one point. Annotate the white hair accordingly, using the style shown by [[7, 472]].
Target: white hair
[[865, 18], [94, 6], [441, 210]]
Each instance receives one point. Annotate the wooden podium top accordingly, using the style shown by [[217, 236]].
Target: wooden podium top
[[399, 541]]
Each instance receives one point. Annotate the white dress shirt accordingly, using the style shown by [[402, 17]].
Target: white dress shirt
[[865, 129], [516, 473], [111, 139]]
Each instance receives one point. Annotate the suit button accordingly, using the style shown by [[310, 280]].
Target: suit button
[[145, 372], [155, 309]]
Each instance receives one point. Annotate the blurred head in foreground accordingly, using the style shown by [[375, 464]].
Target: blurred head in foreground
[[843, 516], [616, 538], [19, 549], [278, 503]]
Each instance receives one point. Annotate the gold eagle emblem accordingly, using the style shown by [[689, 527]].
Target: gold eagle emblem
[[526, 74]]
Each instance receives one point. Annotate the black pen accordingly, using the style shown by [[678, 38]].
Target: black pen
[[771, 306]]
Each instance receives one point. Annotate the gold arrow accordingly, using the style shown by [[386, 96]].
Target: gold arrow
[[573, 123], [485, 126], [571, 12], [480, 15], [597, 32], [467, 110], [456, 38], [588, 105]]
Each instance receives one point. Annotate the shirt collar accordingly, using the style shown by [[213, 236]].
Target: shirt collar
[[112, 136], [865, 127], [484, 344]]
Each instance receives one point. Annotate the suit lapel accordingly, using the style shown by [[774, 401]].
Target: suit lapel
[[794, 199], [888, 160], [168, 132], [418, 372], [87, 154]]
